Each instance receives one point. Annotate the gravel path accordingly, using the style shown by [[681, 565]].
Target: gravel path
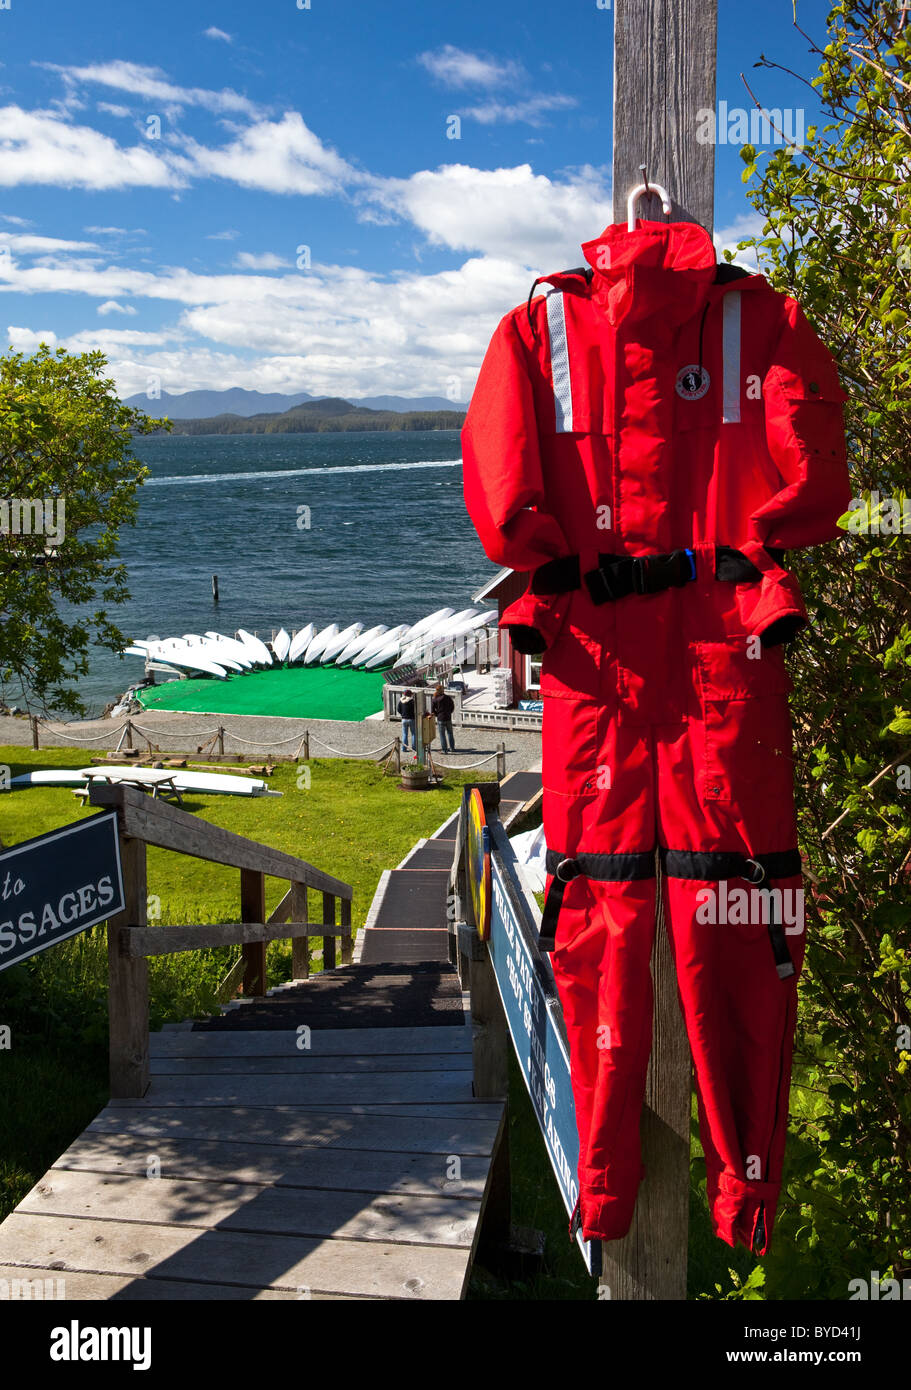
[[253, 735]]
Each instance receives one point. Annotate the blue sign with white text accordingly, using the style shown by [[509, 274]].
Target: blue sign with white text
[[535, 1037], [57, 885]]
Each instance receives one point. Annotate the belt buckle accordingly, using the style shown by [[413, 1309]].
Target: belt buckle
[[599, 586], [640, 574]]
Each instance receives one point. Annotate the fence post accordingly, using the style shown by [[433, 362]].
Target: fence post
[[33, 719], [300, 945], [328, 921], [347, 940], [397, 753], [128, 983], [129, 733], [501, 761], [656, 109], [306, 743], [221, 741], [253, 909]]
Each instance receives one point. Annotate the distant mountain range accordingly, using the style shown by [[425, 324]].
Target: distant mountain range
[[197, 405], [328, 413]]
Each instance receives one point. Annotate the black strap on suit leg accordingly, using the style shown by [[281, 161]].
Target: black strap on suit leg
[[604, 868]]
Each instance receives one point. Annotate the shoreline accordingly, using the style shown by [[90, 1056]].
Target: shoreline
[[261, 735]]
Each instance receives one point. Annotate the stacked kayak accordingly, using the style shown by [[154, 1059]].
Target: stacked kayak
[[439, 636]]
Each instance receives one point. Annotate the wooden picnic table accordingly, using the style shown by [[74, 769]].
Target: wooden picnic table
[[155, 781]]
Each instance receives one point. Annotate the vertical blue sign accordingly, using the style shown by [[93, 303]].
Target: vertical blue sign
[[532, 1011]]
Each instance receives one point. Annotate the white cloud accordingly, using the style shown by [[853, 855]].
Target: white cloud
[[748, 224], [458, 68], [267, 260], [279, 157], [26, 340], [152, 84], [110, 306], [511, 213], [229, 235], [42, 148], [113, 110], [531, 110], [29, 243], [214, 33]]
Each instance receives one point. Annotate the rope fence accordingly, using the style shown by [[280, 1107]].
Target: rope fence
[[382, 753]]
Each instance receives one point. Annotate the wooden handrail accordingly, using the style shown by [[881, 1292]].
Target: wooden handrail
[[166, 941], [158, 823]]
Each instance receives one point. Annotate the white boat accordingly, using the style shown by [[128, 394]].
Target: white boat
[[184, 658], [213, 651], [184, 780], [257, 649], [301, 641], [49, 777], [319, 643], [432, 618], [340, 640], [386, 639], [359, 643], [384, 656], [237, 649], [280, 644]]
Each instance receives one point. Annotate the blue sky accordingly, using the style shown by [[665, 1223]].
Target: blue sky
[[280, 128]]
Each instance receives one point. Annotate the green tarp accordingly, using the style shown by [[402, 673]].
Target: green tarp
[[297, 692]]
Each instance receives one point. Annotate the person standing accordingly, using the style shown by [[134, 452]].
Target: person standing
[[442, 707], [406, 712]]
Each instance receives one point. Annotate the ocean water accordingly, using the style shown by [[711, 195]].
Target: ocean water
[[388, 538]]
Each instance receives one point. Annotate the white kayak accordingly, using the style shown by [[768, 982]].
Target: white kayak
[[340, 640], [384, 657], [49, 777], [359, 643], [385, 639], [319, 643], [184, 658], [257, 649], [235, 649], [219, 783], [301, 641], [280, 644], [212, 651], [432, 619]]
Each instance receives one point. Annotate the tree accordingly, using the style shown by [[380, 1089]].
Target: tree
[[837, 236], [68, 482]]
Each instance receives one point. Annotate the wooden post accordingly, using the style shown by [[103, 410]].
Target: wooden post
[[221, 740], [128, 983], [33, 719], [347, 940], [397, 753], [253, 909], [300, 945], [129, 733], [664, 74], [306, 744], [501, 761], [328, 921], [214, 588]]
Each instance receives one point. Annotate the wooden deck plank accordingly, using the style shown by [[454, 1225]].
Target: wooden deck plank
[[368, 1268], [334, 1213], [361, 1170], [302, 1064], [331, 1087], [358, 1042], [432, 1130], [24, 1283]]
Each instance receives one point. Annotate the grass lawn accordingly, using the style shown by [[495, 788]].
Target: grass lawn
[[350, 821]]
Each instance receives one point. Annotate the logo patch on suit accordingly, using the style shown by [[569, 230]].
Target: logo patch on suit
[[692, 382]]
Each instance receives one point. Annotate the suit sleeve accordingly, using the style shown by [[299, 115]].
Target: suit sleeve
[[805, 434], [501, 461]]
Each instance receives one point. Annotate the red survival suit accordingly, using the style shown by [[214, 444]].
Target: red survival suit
[[648, 438]]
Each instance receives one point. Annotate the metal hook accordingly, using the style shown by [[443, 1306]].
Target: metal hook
[[642, 190]]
